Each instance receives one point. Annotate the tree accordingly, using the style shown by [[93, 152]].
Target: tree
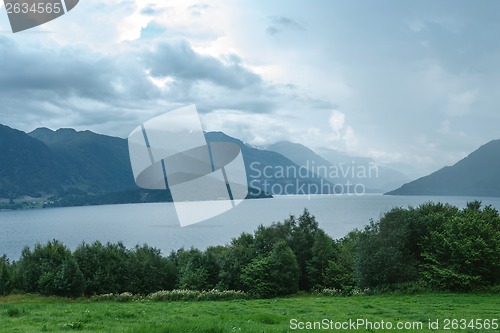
[[276, 274], [340, 271], [285, 271], [69, 281], [463, 253], [193, 274], [37, 270], [266, 237], [150, 271], [5, 276], [239, 254], [105, 267], [303, 235], [213, 259], [323, 252], [256, 277]]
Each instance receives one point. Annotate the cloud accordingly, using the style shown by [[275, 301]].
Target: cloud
[[280, 24], [180, 61], [70, 86], [337, 121], [461, 103], [392, 72], [197, 9], [242, 126]]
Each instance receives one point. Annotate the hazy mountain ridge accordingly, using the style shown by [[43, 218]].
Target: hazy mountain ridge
[[478, 174], [261, 163], [341, 168], [82, 167], [88, 168]]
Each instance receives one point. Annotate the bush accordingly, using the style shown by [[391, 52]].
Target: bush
[[174, 296]]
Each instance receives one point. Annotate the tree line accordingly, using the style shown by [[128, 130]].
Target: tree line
[[434, 246]]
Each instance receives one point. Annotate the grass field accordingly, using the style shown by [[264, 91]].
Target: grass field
[[41, 314]]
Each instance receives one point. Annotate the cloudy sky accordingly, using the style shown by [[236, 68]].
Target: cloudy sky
[[416, 82]]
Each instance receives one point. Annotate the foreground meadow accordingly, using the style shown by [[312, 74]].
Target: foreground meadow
[[49, 314]]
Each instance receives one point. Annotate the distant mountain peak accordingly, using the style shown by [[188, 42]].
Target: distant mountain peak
[[478, 174]]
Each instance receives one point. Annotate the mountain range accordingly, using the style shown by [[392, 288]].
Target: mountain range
[[69, 167], [351, 173], [81, 167], [476, 175]]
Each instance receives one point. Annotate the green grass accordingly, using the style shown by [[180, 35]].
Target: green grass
[[41, 314]]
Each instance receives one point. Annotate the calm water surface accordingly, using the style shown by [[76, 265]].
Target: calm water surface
[[157, 225]]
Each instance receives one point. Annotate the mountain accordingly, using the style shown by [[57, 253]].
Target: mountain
[[81, 167], [274, 173], [349, 173], [338, 157], [476, 175], [90, 162], [27, 166]]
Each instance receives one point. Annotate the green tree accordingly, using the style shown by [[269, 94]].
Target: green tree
[[37, 270], [285, 271], [303, 235], [239, 254], [256, 277], [5, 276], [323, 252], [193, 274], [463, 253], [213, 261], [266, 237], [105, 267], [150, 271], [340, 271], [389, 251], [276, 274], [69, 280]]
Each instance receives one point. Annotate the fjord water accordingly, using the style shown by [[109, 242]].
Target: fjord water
[[157, 225]]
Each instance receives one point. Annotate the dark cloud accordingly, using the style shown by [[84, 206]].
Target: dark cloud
[[78, 87], [70, 72], [281, 23], [180, 61], [68, 86]]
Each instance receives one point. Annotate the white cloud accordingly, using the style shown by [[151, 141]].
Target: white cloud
[[255, 129], [336, 121], [460, 104]]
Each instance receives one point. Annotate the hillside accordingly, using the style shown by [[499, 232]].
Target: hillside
[[91, 162], [27, 166], [476, 175]]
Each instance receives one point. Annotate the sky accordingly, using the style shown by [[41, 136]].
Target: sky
[[413, 82]]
